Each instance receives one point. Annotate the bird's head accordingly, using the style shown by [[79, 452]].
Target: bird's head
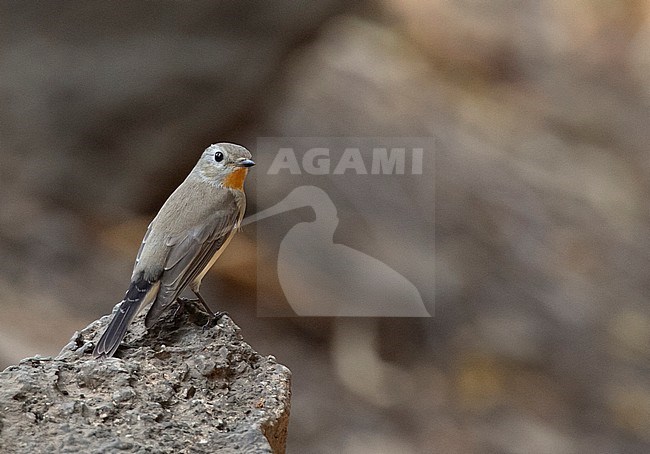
[[225, 164]]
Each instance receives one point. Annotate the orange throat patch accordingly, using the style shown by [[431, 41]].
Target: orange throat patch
[[235, 180]]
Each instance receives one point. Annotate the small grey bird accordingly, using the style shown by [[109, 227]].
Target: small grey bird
[[183, 241]]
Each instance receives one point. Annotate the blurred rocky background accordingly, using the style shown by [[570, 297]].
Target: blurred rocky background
[[541, 114]]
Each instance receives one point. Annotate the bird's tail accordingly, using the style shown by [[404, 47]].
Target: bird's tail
[[140, 291]]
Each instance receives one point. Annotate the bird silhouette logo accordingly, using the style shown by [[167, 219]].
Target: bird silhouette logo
[[322, 278]]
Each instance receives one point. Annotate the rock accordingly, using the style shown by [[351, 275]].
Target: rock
[[173, 388]]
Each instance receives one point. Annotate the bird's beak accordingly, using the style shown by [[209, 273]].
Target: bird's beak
[[243, 162]]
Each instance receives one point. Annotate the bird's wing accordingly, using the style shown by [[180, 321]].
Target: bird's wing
[[189, 254], [144, 241]]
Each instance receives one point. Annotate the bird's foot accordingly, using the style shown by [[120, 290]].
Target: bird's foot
[[181, 304], [214, 319], [195, 308]]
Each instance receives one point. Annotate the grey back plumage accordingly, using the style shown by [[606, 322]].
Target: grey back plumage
[[188, 249]]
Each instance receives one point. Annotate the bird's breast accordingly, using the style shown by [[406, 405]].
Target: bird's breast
[[235, 179]]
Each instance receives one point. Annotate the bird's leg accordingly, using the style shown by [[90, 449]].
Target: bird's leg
[[205, 306], [214, 316]]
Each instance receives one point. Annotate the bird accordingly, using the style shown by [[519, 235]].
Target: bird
[[187, 236]]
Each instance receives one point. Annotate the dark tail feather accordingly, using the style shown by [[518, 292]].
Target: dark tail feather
[[116, 330], [110, 340]]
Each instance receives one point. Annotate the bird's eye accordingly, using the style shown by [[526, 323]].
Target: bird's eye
[[218, 156]]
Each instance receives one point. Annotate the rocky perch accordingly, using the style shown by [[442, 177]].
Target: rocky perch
[[176, 388]]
